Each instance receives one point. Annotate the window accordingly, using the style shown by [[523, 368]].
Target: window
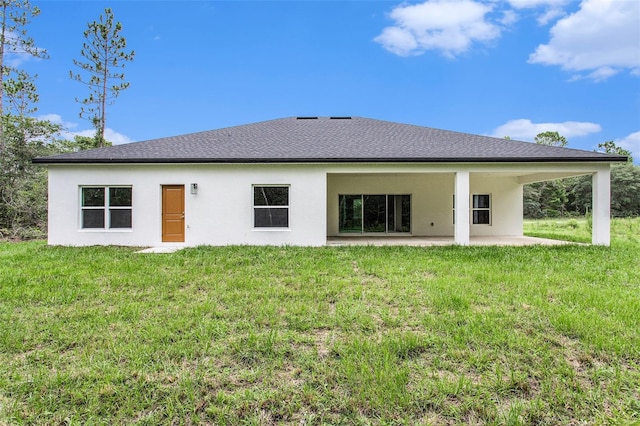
[[271, 206], [481, 209], [374, 213], [106, 207]]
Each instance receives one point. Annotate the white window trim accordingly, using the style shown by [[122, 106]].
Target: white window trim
[[489, 209], [106, 209], [287, 207]]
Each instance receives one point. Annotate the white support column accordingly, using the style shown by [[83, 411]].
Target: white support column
[[461, 229], [601, 207]]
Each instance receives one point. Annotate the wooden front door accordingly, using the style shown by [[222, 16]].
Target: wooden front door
[[173, 213]]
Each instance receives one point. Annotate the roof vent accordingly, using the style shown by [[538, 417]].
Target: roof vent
[[340, 118], [306, 118]]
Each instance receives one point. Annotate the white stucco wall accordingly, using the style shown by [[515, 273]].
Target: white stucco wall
[[506, 204], [221, 213]]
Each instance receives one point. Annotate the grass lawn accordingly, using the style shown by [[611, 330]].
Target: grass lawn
[[579, 230], [334, 335]]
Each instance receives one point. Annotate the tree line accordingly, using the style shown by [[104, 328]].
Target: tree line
[[571, 197], [23, 186]]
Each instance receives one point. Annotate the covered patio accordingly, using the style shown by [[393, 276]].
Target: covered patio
[[443, 204]]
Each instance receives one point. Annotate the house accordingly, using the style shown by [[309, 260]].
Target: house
[[301, 180]]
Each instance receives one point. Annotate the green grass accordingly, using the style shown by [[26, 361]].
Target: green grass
[[335, 335], [623, 230]]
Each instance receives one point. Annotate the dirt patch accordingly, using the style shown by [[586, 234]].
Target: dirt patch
[[366, 278], [579, 361], [323, 341]]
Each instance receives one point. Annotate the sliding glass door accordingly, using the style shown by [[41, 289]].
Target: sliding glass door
[[374, 213], [350, 213], [364, 213], [398, 213]]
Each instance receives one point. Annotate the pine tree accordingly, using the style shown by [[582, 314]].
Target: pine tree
[[105, 57], [15, 15]]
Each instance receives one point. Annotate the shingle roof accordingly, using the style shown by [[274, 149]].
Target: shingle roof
[[327, 139]]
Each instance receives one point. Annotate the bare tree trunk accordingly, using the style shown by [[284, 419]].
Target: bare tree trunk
[[103, 106], [2, 40]]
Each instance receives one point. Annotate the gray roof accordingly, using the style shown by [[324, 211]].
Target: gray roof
[[327, 140]]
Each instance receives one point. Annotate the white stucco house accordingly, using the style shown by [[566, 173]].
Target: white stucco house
[[302, 180]]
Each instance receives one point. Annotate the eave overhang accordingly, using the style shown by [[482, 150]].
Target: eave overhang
[[53, 160]]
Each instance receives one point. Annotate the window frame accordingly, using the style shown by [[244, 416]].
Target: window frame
[[387, 211], [475, 209], [453, 209], [286, 207], [106, 208]]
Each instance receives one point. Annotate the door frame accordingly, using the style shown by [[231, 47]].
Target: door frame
[[180, 237]]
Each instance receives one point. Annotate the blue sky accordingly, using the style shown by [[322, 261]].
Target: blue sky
[[503, 68]]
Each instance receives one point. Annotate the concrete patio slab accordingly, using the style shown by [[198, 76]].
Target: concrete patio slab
[[163, 249], [441, 241]]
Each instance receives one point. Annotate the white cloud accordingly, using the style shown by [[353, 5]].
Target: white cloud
[[399, 41], [527, 4], [115, 137], [602, 73], [109, 134], [66, 133], [57, 119], [509, 17], [552, 8], [631, 143], [524, 129], [550, 15], [15, 59], [596, 42], [448, 26]]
